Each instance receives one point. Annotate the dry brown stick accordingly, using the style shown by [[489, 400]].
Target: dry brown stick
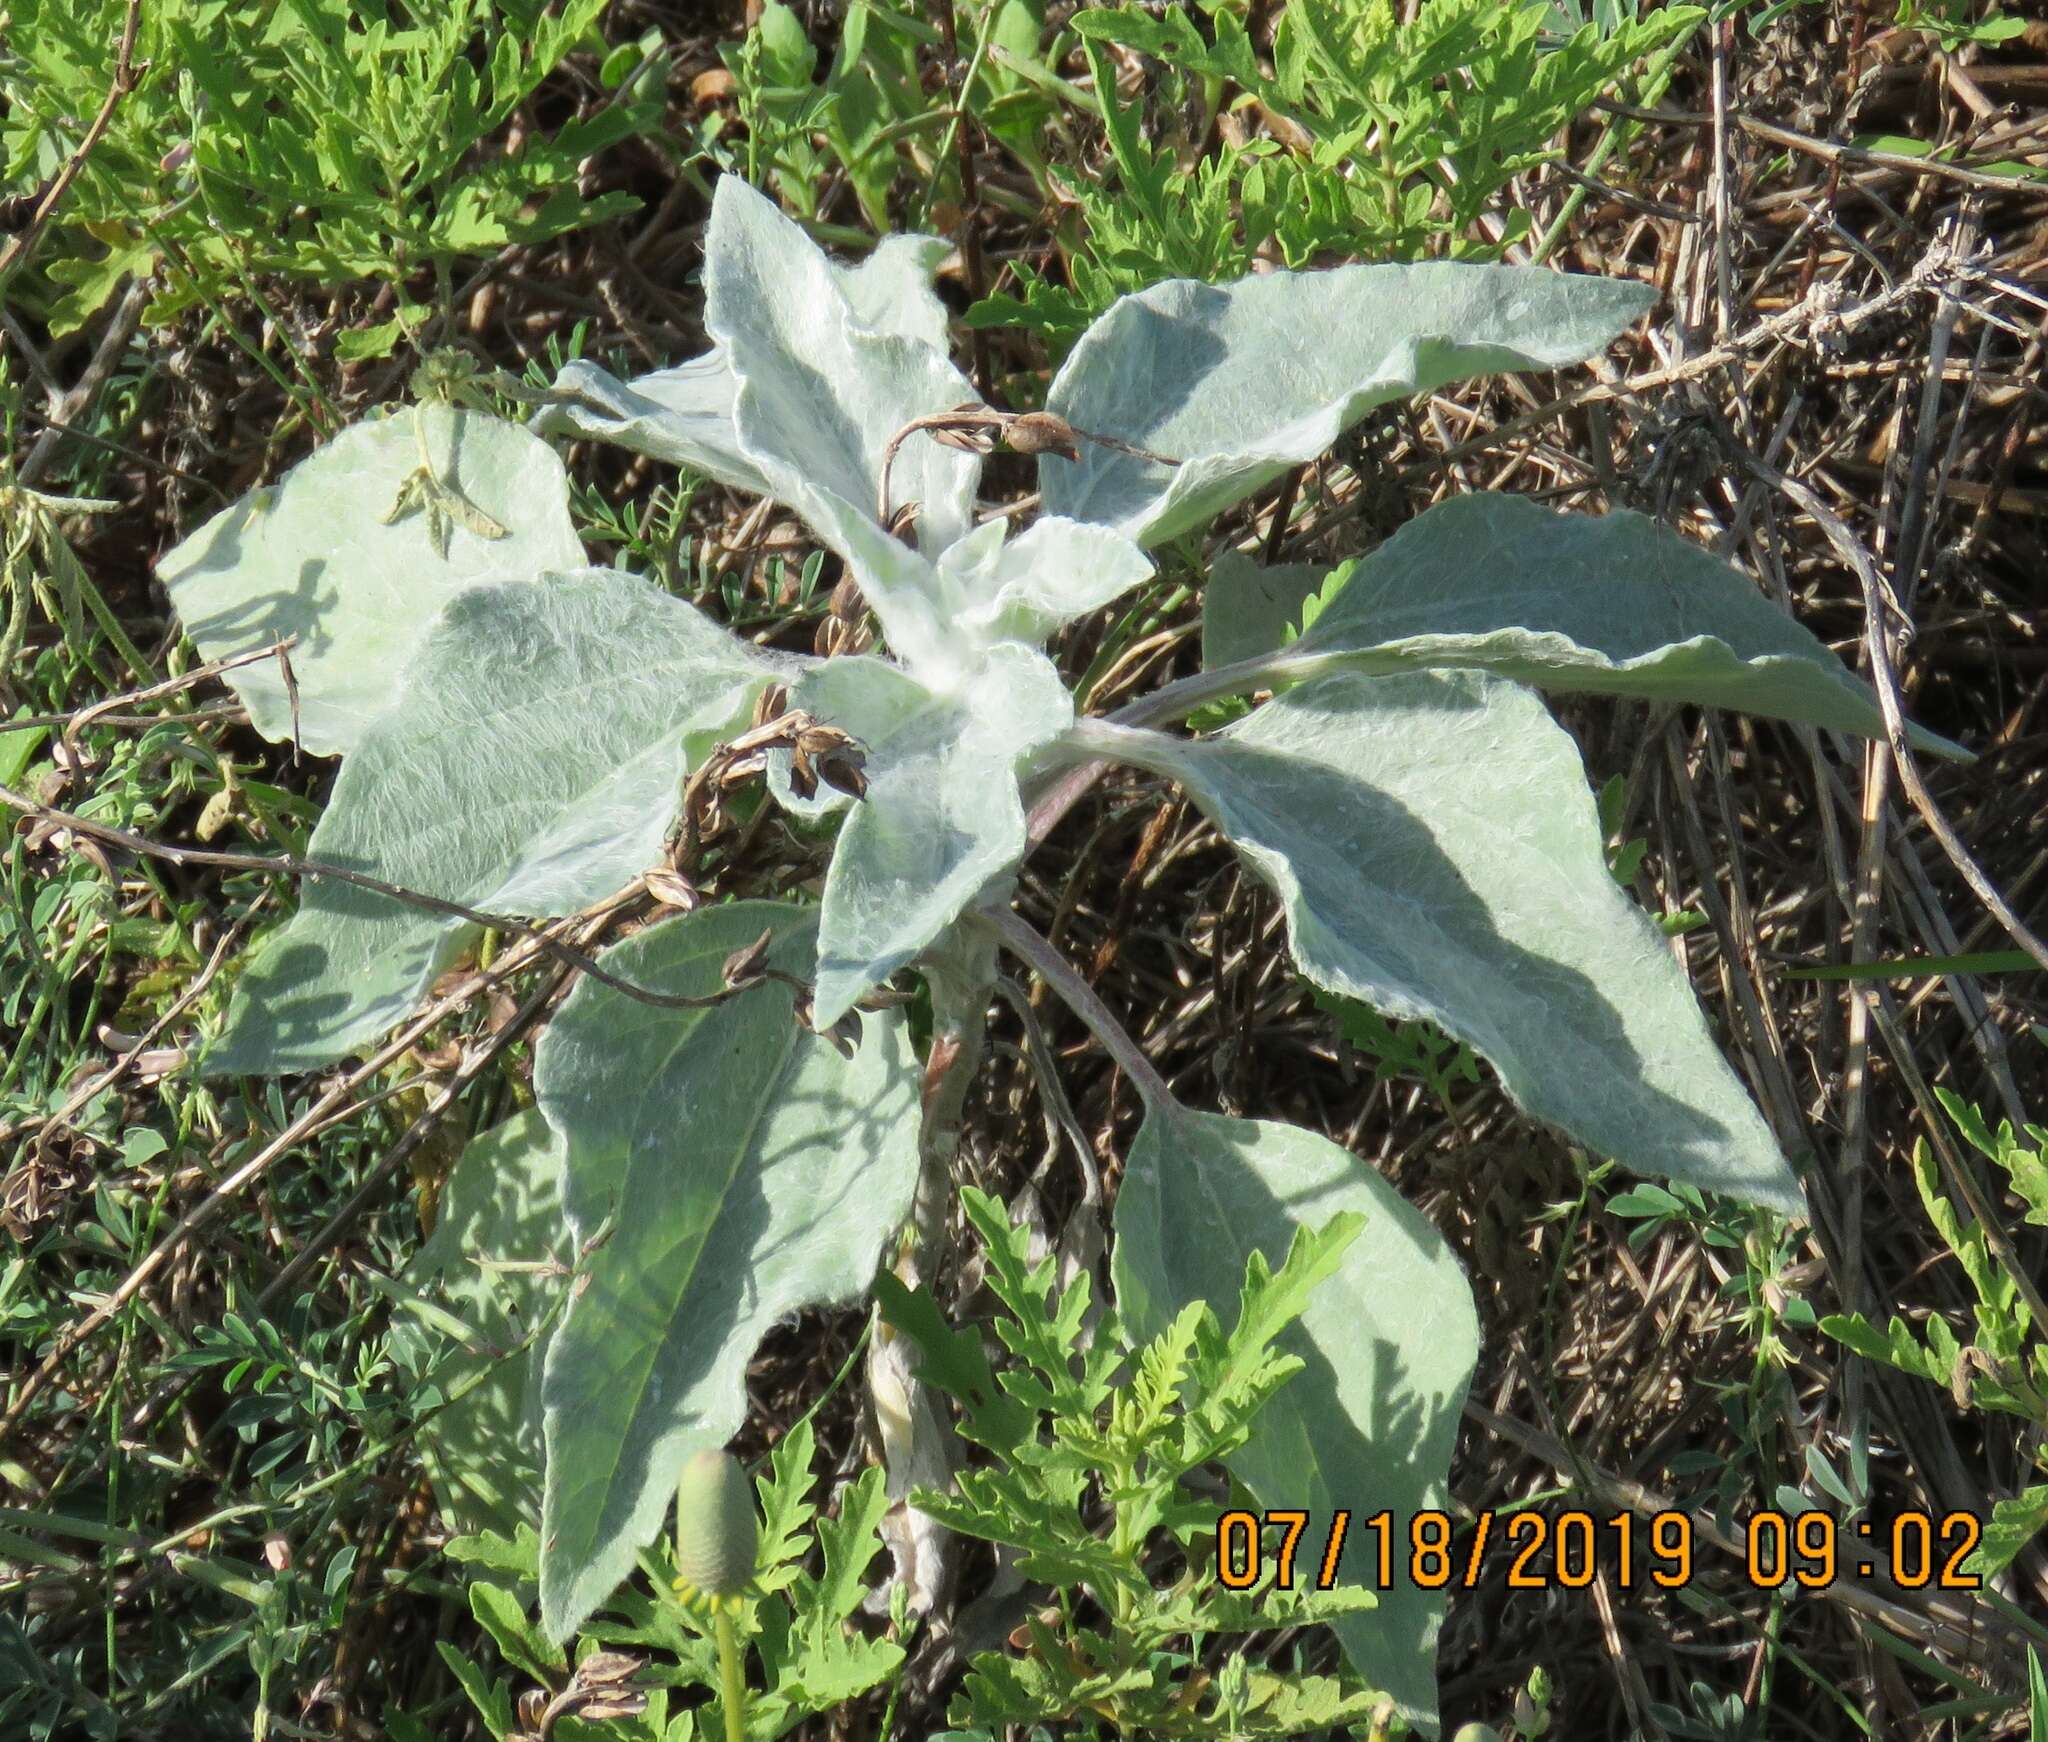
[[1885, 678], [226, 710], [1828, 152], [76, 722], [123, 82], [976, 428], [66, 408], [337, 1097], [99, 1084], [315, 870], [1937, 1628], [1853, 1163], [1785, 324]]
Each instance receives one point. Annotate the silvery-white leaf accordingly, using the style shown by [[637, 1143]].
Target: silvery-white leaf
[[942, 817], [313, 556], [891, 290], [684, 414], [909, 595], [1438, 853], [681, 415], [1024, 588], [820, 394], [533, 770], [1240, 381], [1613, 603], [739, 1169]]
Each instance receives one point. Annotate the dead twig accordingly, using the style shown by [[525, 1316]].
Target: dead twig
[[1885, 678], [125, 74], [317, 870]]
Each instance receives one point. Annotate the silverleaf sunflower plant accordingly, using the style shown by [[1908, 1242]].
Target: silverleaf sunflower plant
[[736, 1128]]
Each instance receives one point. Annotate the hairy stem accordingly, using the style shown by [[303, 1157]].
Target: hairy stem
[[732, 1674]]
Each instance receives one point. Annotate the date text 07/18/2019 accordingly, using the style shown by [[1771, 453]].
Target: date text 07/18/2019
[[1569, 1550]]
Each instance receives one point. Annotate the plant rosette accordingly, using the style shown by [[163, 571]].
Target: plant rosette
[[517, 732]]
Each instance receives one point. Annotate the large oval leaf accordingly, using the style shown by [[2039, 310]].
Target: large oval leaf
[[312, 556], [1240, 381], [737, 1168], [1389, 1341], [1437, 849], [537, 766]]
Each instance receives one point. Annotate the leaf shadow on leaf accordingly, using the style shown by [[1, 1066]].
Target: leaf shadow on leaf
[[292, 1014], [501, 1205], [1142, 401], [292, 999], [1444, 958], [1371, 1420], [1186, 334], [263, 618], [799, 1165], [267, 617]]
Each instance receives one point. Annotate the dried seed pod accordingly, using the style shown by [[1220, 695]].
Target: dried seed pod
[[843, 768], [717, 1533], [1041, 432], [672, 889], [744, 967], [769, 704]]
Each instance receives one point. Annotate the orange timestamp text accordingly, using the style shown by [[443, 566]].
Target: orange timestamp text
[[1569, 1550]]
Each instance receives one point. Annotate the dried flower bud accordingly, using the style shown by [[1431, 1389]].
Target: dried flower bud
[[673, 889], [844, 769], [770, 703], [744, 967], [1041, 432], [603, 1687]]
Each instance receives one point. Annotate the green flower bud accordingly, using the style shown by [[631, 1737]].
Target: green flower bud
[[1476, 1732], [717, 1533]]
